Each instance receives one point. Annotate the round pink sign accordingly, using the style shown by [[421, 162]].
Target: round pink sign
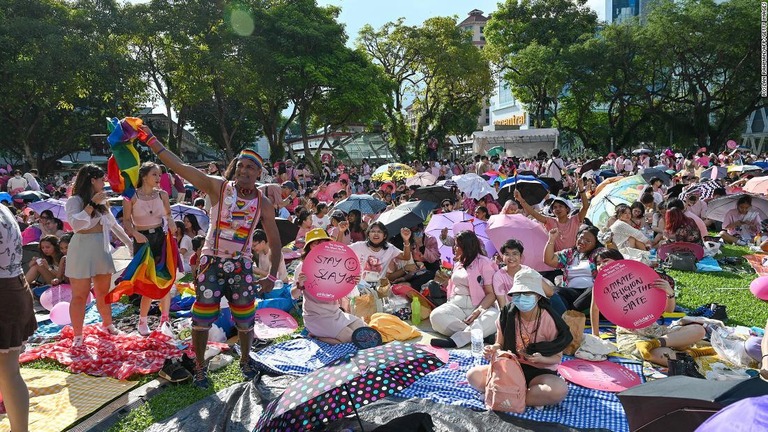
[[332, 269], [272, 323], [625, 294], [603, 375], [732, 144]]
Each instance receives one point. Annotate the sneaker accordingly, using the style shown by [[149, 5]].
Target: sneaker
[[250, 369], [188, 363], [200, 377], [144, 329], [111, 329], [719, 312], [173, 371], [77, 341]]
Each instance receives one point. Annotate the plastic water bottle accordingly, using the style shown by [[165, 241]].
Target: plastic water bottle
[[278, 285], [653, 258], [476, 335], [415, 311]]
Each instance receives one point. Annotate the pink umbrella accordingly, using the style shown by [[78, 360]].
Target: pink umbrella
[[445, 220], [421, 179], [530, 233], [333, 188], [479, 227]]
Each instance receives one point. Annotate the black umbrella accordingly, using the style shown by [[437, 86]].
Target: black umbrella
[[590, 165], [31, 196], [532, 191], [406, 215], [675, 190], [433, 193], [287, 230], [650, 173]]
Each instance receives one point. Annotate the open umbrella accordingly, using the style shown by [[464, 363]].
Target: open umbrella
[[642, 151], [55, 206], [743, 168], [406, 215], [479, 227], [30, 196], [5, 196], [392, 171], [717, 208], [624, 191], [433, 193], [421, 179], [178, 211], [435, 228], [340, 388], [366, 204], [650, 173], [530, 233], [531, 189], [715, 172], [496, 151], [757, 185], [286, 229], [590, 165], [704, 190], [474, 186]]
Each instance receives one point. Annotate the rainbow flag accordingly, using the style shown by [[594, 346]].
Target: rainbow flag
[[148, 276], [123, 165]]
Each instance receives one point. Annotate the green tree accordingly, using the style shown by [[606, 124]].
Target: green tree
[[529, 40], [65, 66]]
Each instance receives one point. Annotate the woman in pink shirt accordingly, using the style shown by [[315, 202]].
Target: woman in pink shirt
[[567, 225]]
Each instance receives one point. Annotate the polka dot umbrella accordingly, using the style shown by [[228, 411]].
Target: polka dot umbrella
[[340, 388]]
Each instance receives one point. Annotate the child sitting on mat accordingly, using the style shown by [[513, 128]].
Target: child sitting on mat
[[530, 329]]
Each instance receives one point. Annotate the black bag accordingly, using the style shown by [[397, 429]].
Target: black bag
[[434, 292], [685, 261]]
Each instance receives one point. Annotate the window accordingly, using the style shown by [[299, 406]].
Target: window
[[505, 94]]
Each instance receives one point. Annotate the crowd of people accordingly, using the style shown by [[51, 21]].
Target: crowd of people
[[233, 258]]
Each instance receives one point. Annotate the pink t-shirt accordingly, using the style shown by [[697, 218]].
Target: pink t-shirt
[[568, 231], [547, 332]]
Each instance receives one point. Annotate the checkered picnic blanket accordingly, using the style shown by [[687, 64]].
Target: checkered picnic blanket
[[583, 407]]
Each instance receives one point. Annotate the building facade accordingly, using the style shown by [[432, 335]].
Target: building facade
[[475, 24]]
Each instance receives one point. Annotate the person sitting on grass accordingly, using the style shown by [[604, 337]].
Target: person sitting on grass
[[532, 331], [45, 270], [328, 321], [655, 343]]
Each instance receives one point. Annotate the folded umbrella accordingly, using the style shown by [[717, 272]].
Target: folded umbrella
[[421, 179], [435, 194], [365, 204], [406, 215]]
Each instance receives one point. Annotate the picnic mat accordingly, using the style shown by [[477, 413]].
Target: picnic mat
[[102, 354], [756, 261], [48, 330], [58, 399], [582, 408]]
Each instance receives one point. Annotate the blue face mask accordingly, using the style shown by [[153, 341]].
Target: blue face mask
[[417, 234], [525, 302]]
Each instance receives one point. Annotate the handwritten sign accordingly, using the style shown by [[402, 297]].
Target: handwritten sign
[[625, 294], [603, 375], [332, 269], [272, 323]]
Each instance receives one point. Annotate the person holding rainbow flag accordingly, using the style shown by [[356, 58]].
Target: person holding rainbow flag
[[237, 206]]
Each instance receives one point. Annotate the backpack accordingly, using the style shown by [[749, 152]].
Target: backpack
[[505, 388]]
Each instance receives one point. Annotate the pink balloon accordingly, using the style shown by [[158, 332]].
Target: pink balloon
[[57, 294], [272, 323], [60, 314], [331, 270], [759, 287], [732, 144], [624, 294], [603, 375]]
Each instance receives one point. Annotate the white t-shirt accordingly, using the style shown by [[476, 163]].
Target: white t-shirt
[[186, 243], [375, 264], [322, 222], [554, 169]]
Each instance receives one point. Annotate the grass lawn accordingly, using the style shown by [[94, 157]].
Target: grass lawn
[[696, 289]]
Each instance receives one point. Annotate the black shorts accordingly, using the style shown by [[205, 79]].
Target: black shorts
[[532, 372]]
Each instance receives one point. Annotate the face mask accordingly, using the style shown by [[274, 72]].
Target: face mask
[[525, 302], [418, 234]]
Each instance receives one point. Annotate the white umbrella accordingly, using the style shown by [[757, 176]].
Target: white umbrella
[[55, 206], [717, 208], [474, 186]]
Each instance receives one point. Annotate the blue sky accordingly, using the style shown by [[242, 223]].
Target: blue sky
[[356, 13]]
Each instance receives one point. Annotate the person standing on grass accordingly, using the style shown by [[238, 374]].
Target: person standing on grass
[[225, 267], [17, 321]]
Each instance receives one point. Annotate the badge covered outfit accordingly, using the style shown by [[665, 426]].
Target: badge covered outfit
[[225, 264]]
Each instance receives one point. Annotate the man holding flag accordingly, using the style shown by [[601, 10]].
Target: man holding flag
[[237, 206]]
